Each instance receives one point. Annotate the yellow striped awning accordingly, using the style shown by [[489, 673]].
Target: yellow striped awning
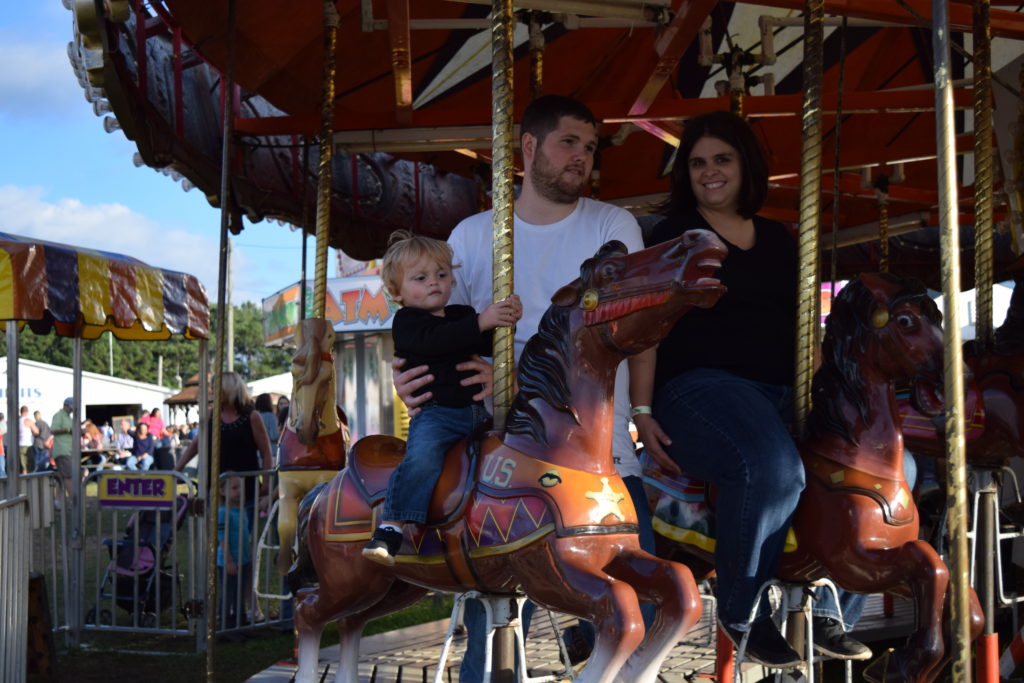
[[80, 292]]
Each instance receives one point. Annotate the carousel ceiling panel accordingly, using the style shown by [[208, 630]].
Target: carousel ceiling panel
[[413, 100]]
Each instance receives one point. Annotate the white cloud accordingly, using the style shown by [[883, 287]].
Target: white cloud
[[37, 78], [109, 227]]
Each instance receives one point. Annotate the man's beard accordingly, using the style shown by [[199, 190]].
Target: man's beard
[[549, 183]]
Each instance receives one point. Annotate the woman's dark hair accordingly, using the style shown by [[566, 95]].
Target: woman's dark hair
[[732, 130], [264, 404], [282, 416]]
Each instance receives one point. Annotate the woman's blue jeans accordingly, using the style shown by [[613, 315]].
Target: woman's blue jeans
[[432, 432], [731, 432]]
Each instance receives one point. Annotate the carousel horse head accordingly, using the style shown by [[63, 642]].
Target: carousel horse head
[[881, 329], [312, 411], [665, 280], [620, 305]]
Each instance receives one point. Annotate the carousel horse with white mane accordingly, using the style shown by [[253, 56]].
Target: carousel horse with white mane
[[312, 446], [540, 508], [856, 521]]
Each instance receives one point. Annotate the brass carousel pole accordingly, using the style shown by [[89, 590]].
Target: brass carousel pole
[[503, 197], [213, 490], [987, 648], [323, 198], [983, 172], [502, 190], [536, 57], [810, 209], [956, 501]]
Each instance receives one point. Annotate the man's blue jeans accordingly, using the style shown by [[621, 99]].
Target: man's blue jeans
[[731, 432], [471, 670], [432, 432]]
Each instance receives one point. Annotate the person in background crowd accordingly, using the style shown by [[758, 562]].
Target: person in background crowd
[[26, 437], [41, 443], [143, 449], [163, 455], [265, 407], [156, 423], [282, 413], [62, 445], [92, 440], [108, 433]]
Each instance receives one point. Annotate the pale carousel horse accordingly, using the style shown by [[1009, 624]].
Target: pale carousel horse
[[312, 445], [539, 509], [856, 521]]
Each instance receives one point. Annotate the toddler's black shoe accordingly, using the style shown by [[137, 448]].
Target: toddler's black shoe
[[384, 545], [830, 639]]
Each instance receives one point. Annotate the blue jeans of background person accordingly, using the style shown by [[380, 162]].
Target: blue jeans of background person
[[731, 432], [432, 431], [474, 617], [852, 604], [136, 462]]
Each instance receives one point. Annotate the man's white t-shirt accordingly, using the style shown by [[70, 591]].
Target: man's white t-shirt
[[547, 257]]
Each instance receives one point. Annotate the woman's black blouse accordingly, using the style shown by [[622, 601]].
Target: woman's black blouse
[[751, 331]]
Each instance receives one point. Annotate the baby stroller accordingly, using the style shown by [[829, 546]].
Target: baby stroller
[[137, 578]]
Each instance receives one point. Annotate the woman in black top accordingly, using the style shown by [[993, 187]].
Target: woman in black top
[[718, 399]]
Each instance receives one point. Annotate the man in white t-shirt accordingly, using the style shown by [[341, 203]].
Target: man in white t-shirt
[[27, 431], [556, 229]]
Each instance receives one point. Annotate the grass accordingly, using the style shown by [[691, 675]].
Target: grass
[[105, 658]]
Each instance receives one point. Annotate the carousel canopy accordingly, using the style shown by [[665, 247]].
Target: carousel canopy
[[80, 292]]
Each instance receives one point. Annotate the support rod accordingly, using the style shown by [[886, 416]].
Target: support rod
[[956, 478], [983, 238], [810, 210], [323, 198], [213, 424], [502, 192]]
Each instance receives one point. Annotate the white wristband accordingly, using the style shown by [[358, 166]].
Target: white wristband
[[640, 410]]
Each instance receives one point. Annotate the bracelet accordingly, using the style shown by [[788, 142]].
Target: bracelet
[[640, 410]]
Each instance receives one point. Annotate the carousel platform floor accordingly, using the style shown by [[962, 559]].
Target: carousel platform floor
[[411, 654]]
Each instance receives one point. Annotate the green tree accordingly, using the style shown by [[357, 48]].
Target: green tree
[[139, 360]]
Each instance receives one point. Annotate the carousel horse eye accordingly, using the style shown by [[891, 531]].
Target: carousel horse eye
[[589, 300], [880, 317], [905, 320]]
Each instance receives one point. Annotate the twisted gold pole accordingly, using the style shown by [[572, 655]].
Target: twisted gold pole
[[883, 232], [536, 57], [502, 192], [983, 277], [323, 197], [956, 478], [807, 322]]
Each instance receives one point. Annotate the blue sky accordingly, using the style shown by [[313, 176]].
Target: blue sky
[[65, 179]]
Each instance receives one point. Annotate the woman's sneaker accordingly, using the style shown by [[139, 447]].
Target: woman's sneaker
[[383, 546]]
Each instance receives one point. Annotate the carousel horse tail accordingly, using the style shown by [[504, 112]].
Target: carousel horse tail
[[302, 573]]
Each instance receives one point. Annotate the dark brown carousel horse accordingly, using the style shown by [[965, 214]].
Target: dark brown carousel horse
[[856, 521], [312, 445], [994, 430], [539, 508]]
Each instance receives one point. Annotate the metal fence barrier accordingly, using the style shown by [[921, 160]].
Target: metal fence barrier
[[14, 533]]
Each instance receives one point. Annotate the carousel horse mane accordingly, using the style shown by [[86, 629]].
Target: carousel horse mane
[[307, 359], [542, 374], [546, 358], [848, 334]]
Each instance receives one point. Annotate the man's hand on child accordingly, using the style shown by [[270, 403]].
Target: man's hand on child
[[501, 314], [410, 381], [484, 374]]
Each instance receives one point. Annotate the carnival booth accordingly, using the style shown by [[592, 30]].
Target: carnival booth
[[79, 293]]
